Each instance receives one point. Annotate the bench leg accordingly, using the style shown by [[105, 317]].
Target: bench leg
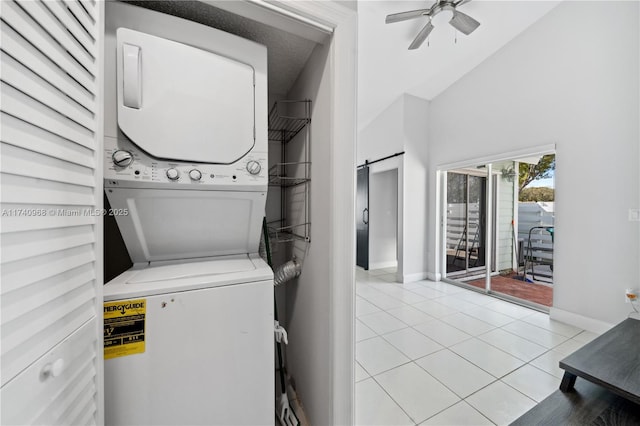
[[568, 380]]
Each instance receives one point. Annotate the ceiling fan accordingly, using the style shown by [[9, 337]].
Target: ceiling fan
[[460, 21]]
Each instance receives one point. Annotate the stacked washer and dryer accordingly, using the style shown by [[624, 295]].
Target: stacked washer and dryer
[[189, 328]]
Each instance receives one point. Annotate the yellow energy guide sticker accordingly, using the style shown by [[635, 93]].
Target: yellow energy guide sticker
[[124, 327]]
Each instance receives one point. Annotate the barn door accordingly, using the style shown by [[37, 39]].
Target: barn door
[[51, 293], [362, 218]]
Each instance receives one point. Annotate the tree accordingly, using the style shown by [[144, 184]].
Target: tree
[[536, 194], [530, 172]]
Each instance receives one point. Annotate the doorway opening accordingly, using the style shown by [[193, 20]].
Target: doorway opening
[[383, 228], [500, 237], [379, 213]]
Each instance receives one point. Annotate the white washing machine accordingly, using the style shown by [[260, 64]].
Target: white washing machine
[[196, 347], [189, 328]]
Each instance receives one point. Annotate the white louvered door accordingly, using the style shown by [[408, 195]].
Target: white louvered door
[[51, 221]]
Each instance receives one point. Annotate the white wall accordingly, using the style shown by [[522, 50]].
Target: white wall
[[403, 127], [308, 298], [384, 136], [416, 205], [570, 79], [383, 219]]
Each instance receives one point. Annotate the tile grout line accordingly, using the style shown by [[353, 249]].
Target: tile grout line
[[471, 336]]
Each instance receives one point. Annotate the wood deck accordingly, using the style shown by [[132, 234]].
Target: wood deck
[[537, 293]]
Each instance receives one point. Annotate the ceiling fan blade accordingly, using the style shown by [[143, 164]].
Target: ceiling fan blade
[[405, 16], [422, 36], [463, 23], [461, 2]]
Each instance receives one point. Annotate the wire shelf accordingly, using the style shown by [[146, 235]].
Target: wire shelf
[[287, 119], [284, 234], [278, 174]]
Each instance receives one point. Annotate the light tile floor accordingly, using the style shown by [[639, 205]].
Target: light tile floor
[[431, 353]]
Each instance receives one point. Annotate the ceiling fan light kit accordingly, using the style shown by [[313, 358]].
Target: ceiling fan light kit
[[460, 21]]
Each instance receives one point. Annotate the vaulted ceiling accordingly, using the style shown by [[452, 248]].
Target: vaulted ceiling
[[386, 69]]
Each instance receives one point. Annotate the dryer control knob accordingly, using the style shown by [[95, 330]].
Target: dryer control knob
[[122, 158], [253, 167], [173, 174], [195, 174]]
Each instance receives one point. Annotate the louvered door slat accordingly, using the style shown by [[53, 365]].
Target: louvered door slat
[[80, 13], [83, 401], [69, 401], [58, 220], [27, 299], [24, 245], [15, 274], [21, 162], [88, 416], [20, 105], [19, 189], [61, 12], [87, 6], [26, 81], [78, 407], [22, 134], [21, 22], [17, 46], [50, 170], [34, 322], [43, 16]]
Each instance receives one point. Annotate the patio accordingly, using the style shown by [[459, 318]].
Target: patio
[[533, 292]]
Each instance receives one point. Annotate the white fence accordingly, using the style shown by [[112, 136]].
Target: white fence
[[530, 215], [536, 232]]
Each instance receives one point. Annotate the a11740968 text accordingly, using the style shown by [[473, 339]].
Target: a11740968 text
[[64, 212]]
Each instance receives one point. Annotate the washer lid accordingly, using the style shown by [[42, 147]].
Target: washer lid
[[178, 102], [178, 270], [174, 276]]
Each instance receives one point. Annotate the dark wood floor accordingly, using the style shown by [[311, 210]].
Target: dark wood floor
[[587, 404]]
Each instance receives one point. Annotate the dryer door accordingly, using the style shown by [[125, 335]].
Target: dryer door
[[181, 224], [178, 102]]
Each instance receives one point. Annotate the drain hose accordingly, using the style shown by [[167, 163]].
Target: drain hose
[[286, 272]]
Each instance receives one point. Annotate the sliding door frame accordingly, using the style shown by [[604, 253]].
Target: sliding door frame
[[441, 215]]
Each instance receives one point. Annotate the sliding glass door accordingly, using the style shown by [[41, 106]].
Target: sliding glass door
[[498, 227], [465, 224]]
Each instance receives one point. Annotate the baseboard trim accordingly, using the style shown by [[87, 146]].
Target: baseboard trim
[[409, 278], [434, 276], [580, 321]]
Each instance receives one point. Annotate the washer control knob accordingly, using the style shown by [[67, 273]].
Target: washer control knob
[[254, 167], [173, 174], [195, 174], [122, 158]]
